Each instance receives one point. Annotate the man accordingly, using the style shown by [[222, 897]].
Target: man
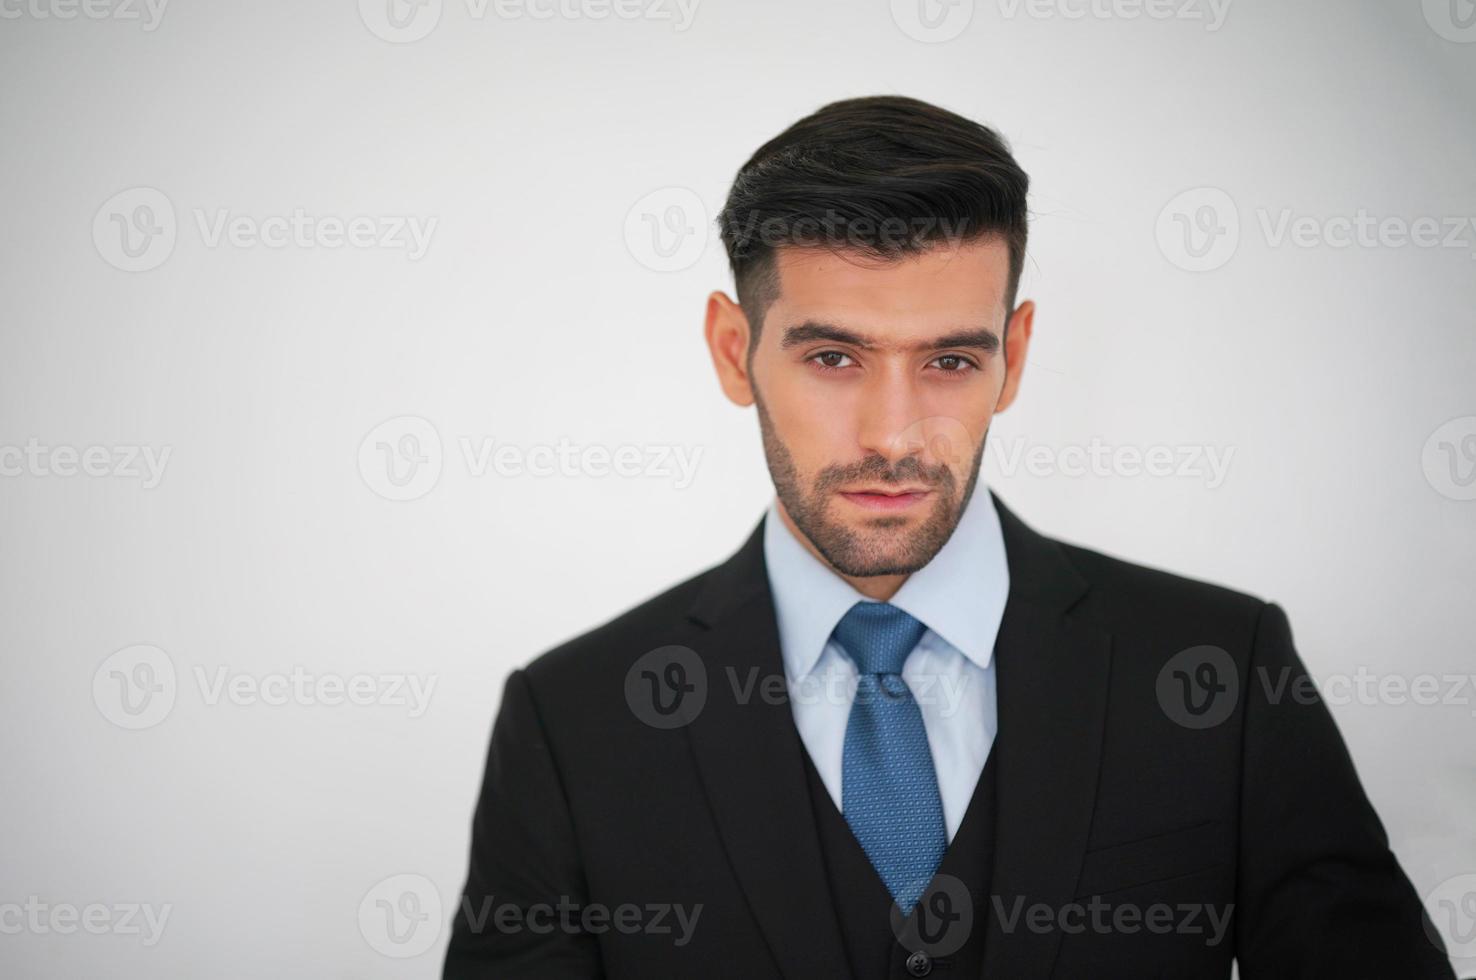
[[899, 733]]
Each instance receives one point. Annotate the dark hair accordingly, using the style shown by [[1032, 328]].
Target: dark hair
[[885, 174]]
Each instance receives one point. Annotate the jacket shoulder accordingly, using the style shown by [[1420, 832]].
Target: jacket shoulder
[[1133, 597], [1122, 574], [613, 645]]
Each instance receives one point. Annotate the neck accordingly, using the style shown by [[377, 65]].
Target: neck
[[879, 588]]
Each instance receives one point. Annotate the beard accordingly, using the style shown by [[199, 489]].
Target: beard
[[883, 545]]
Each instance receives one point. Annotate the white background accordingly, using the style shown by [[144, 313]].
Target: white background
[[541, 312]]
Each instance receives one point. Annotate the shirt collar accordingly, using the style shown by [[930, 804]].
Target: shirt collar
[[959, 595]]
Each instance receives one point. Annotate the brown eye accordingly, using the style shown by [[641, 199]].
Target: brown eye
[[831, 359], [952, 363]]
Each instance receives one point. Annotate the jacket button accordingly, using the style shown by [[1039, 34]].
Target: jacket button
[[919, 965]]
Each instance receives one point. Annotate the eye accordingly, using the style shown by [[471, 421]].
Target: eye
[[830, 360], [954, 364]]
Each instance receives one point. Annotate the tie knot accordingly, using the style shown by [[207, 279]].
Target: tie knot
[[878, 636]]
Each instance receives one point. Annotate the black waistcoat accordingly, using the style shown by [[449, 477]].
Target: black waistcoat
[[944, 936]]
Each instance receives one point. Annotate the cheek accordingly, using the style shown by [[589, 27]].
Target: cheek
[[816, 421], [953, 419], [949, 439]]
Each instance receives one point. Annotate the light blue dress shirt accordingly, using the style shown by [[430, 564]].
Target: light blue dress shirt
[[959, 595]]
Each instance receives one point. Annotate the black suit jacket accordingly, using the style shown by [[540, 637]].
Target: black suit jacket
[[1159, 766]]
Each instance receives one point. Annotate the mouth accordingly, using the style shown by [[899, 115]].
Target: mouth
[[887, 498]]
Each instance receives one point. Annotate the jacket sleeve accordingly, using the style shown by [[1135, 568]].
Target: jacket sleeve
[[520, 911], [1319, 893]]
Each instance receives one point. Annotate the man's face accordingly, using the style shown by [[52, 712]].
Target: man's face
[[875, 385]]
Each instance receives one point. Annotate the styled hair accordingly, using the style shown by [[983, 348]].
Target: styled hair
[[886, 175]]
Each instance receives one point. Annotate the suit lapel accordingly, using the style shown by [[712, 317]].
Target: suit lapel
[[1052, 672], [748, 754]]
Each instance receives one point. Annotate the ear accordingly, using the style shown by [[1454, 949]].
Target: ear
[[1017, 342], [727, 342]]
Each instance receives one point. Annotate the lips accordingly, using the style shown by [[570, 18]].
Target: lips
[[886, 499], [888, 491]]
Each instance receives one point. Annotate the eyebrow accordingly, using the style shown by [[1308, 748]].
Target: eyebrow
[[983, 338]]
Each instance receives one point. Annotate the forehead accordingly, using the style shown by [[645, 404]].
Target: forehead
[[946, 285]]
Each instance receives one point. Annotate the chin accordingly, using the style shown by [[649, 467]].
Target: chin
[[867, 554]]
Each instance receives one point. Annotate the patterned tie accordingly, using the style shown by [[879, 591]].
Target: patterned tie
[[889, 791]]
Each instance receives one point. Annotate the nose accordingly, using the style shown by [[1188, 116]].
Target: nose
[[890, 412]]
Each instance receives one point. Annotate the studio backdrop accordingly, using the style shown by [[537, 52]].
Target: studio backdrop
[[351, 356]]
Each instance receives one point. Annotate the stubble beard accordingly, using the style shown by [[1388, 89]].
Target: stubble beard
[[881, 547]]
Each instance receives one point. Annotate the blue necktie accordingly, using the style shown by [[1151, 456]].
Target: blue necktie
[[889, 791]]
